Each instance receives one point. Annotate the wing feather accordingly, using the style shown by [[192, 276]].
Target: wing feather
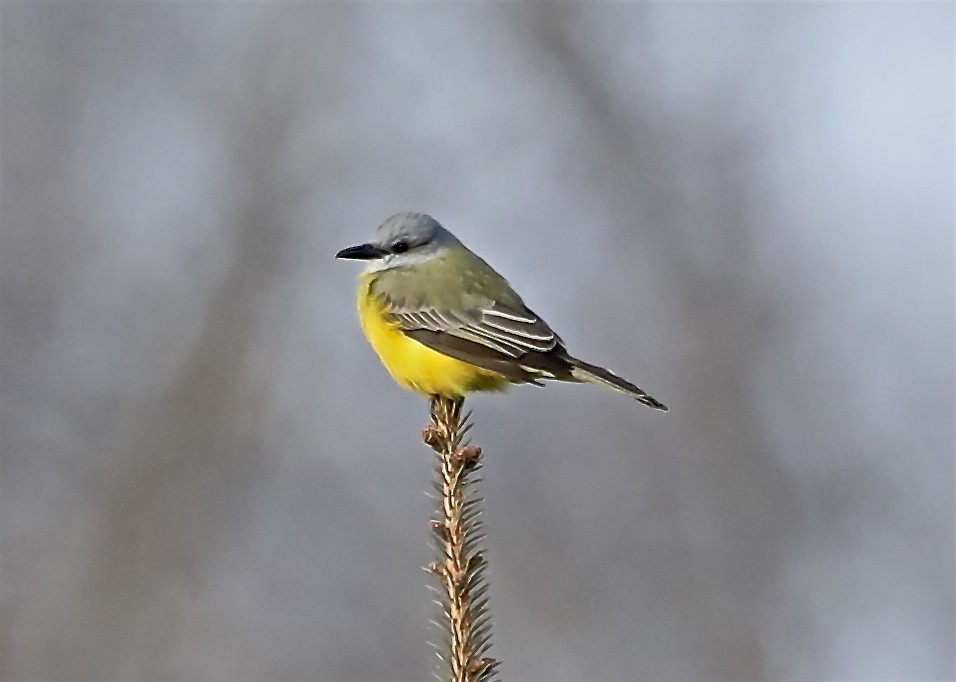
[[515, 339], [511, 351], [518, 329], [498, 311], [502, 329]]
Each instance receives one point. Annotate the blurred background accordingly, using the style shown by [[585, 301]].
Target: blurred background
[[746, 208]]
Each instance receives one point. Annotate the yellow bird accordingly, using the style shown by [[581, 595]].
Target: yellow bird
[[444, 323]]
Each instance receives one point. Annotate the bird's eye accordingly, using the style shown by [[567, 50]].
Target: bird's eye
[[400, 246]]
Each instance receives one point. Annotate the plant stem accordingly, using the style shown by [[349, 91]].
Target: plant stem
[[457, 530]]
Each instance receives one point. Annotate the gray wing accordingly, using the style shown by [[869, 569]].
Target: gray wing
[[515, 343], [512, 333]]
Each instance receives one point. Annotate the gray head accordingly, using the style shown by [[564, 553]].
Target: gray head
[[402, 240]]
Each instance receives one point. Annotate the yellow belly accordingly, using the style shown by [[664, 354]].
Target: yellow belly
[[413, 365]]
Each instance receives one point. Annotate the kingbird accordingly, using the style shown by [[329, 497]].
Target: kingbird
[[444, 323]]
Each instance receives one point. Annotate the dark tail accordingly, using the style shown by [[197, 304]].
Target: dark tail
[[593, 374]]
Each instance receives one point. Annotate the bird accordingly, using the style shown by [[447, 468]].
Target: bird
[[444, 323]]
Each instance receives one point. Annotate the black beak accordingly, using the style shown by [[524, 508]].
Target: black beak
[[361, 252]]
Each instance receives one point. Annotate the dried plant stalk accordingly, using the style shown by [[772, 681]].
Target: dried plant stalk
[[457, 530]]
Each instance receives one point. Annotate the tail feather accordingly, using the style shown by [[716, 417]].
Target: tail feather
[[593, 374]]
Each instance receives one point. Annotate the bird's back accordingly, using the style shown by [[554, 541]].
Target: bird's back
[[456, 280]]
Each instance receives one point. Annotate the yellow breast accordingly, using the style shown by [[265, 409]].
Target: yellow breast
[[413, 365]]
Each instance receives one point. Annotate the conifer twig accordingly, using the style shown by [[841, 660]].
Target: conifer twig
[[457, 531]]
